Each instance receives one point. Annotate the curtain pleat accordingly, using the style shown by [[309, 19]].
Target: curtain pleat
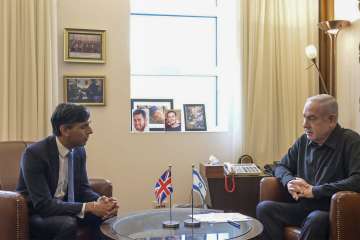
[[26, 65], [275, 82]]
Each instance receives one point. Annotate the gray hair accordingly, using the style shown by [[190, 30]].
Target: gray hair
[[328, 103]]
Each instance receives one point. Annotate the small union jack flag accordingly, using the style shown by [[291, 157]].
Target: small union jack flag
[[163, 187]]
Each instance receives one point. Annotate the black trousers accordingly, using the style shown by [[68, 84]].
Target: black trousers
[[62, 227], [313, 220]]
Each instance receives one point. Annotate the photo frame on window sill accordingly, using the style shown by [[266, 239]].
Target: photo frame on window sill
[[195, 117], [156, 109]]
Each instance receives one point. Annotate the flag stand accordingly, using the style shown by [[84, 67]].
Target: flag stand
[[170, 223], [192, 222]]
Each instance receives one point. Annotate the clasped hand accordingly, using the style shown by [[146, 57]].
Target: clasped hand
[[299, 188], [104, 207]]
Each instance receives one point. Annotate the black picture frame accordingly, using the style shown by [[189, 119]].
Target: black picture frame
[[156, 107], [195, 117]]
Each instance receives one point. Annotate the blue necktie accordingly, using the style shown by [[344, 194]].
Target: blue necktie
[[71, 197]]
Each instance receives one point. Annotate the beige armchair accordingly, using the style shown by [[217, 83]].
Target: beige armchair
[[344, 211], [13, 207]]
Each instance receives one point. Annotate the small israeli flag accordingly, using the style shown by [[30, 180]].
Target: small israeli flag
[[199, 184]]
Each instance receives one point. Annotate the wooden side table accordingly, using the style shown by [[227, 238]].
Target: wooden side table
[[245, 197]]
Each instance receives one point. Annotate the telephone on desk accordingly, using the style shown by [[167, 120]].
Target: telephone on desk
[[249, 169]]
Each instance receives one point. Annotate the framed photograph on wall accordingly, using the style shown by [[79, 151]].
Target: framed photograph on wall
[[86, 90], [84, 45], [195, 117], [156, 109]]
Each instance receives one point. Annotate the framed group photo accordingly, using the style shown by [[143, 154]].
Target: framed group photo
[[195, 118], [156, 109], [86, 90], [84, 45]]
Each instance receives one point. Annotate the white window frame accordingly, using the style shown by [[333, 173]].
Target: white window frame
[[226, 67]]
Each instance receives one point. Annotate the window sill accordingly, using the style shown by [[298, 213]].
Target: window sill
[[217, 130]]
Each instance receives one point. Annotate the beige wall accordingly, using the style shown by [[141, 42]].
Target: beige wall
[[348, 64], [348, 76], [133, 162]]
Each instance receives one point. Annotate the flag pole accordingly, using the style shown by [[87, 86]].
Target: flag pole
[[171, 223], [192, 195], [191, 222], [170, 196]]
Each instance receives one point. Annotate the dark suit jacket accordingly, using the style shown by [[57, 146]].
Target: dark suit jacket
[[39, 174]]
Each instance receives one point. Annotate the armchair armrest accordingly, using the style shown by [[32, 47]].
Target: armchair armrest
[[101, 186], [14, 223], [345, 215], [272, 189]]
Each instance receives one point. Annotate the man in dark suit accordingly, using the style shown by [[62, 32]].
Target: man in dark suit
[[54, 180]]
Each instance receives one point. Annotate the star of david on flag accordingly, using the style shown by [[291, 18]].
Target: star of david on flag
[[163, 187], [199, 184]]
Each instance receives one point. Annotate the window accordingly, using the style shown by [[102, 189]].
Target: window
[[346, 10], [177, 51]]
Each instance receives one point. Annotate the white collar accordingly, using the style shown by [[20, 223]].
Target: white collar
[[63, 151]]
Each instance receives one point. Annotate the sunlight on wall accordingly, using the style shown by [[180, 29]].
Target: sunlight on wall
[[346, 10]]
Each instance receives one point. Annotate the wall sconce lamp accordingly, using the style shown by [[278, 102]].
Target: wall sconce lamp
[[311, 53], [332, 28]]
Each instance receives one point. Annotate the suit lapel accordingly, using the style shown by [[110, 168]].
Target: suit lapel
[[54, 164]]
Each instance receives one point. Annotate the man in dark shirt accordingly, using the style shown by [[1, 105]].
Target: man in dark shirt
[[323, 161]]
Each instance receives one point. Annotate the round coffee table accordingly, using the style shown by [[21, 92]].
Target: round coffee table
[[147, 225]]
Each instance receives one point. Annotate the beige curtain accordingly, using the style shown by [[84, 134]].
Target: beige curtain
[[275, 82], [27, 68]]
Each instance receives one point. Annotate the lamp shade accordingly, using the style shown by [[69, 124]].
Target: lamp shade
[[311, 51], [333, 26]]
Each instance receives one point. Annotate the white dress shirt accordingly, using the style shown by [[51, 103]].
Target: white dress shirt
[[62, 185]]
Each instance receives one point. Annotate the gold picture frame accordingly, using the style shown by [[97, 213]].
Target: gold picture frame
[[84, 89], [84, 45]]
